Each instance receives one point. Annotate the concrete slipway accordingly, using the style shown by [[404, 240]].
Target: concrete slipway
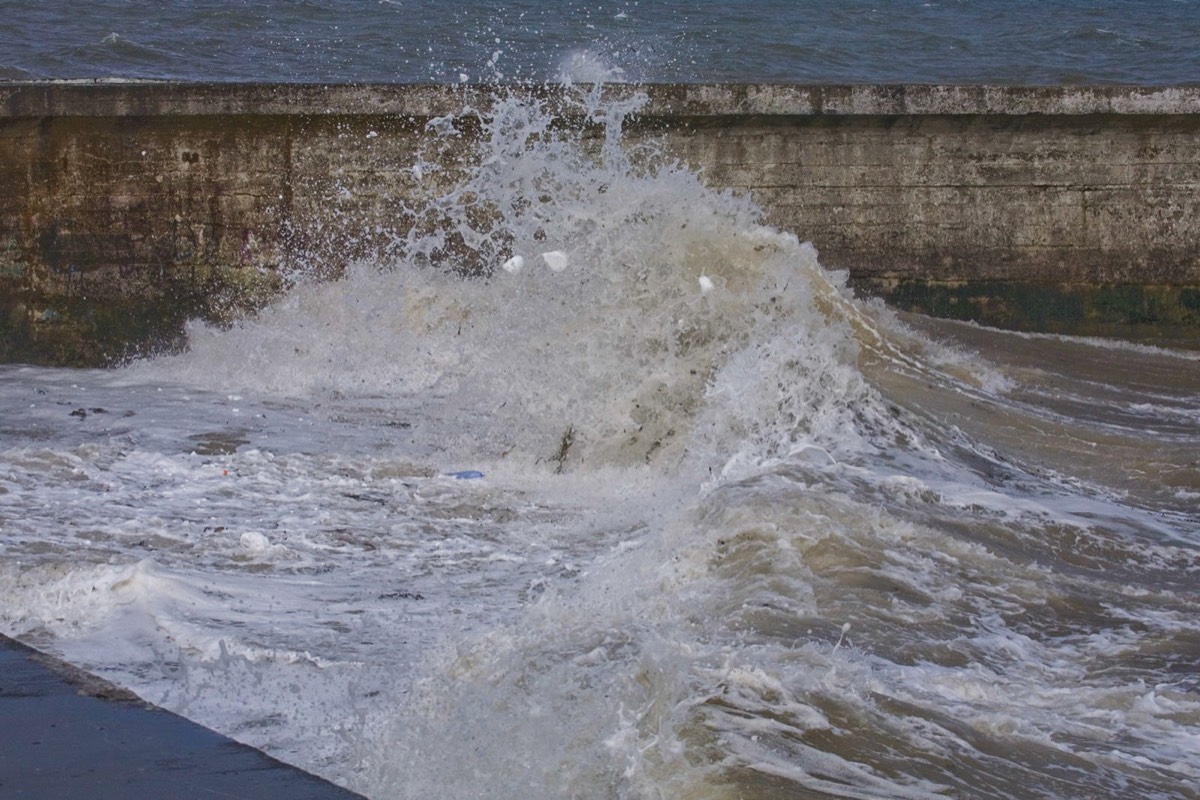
[[68, 734]]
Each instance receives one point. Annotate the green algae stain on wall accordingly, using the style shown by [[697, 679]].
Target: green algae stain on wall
[[1128, 310], [77, 330], [11, 265]]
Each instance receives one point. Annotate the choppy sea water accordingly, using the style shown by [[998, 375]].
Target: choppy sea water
[[818, 41], [654, 508]]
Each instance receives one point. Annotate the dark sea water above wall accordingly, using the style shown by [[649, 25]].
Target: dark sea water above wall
[[822, 41]]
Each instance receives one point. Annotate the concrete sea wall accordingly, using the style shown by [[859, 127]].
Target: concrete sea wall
[[126, 208]]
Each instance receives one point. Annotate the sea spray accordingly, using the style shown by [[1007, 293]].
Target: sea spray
[[570, 283], [581, 306]]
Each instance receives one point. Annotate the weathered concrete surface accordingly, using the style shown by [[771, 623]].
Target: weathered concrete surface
[[127, 207], [69, 734]]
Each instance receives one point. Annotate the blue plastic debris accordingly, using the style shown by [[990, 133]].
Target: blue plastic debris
[[465, 475]]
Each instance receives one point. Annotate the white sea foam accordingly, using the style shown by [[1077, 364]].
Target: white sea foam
[[556, 260]]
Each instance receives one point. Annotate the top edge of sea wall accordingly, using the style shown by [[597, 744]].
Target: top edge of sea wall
[[115, 98]]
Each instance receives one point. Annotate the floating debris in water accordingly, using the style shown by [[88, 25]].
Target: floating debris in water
[[556, 260]]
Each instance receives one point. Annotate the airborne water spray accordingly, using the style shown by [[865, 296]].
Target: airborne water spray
[[569, 277], [609, 313], [669, 403]]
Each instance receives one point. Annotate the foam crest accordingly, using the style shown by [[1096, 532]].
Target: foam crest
[[582, 299], [119, 607]]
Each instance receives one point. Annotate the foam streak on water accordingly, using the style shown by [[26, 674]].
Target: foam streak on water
[[737, 533]]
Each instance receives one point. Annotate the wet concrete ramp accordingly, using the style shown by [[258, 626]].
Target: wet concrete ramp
[[67, 734]]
